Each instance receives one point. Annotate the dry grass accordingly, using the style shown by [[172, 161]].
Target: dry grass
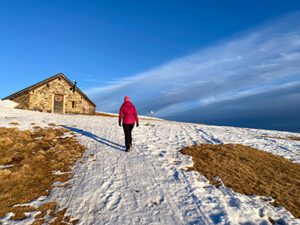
[[250, 171], [46, 209], [149, 124], [36, 127], [62, 219], [51, 124], [20, 210], [34, 155], [14, 123], [294, 138], [50, 210], [104, 114]]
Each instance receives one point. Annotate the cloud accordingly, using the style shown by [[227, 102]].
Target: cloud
[[258, 61], [277, 108]]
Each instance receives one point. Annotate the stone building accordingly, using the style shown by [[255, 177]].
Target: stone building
[[57, 94]]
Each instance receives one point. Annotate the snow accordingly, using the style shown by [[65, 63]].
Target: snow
[[151, 184], [8, 103], [5, 166]]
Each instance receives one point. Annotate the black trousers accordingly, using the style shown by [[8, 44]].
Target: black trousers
[[127, 131]]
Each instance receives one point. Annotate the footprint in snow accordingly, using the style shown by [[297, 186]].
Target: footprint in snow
[[162, 153], [157, 201]]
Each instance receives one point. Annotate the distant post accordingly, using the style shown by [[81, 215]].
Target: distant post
[[151, 113]]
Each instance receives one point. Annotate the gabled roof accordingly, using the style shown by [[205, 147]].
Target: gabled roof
[[28, 89]]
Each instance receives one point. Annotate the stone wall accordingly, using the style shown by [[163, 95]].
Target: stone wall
[[80, 103], [23, 101], [42, 98]]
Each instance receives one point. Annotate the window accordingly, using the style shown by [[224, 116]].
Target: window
[[73, 104]]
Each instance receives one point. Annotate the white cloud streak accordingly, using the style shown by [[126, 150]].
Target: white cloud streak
[[257, 61]]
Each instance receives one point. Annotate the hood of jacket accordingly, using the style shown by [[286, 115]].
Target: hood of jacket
[[126, 99]]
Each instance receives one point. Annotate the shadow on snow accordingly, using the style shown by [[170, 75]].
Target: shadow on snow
[[97, 138]]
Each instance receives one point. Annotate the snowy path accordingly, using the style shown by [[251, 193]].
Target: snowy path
[[150, 184], [130, 187]]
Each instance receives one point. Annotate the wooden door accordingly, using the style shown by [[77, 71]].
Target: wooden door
[[58, 104]]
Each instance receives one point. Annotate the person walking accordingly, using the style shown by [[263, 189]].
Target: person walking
[[128, 117]]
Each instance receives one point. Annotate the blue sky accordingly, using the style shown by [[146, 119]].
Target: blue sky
[[219, 62]]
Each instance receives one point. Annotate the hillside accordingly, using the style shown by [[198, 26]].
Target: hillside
[[152, 184]]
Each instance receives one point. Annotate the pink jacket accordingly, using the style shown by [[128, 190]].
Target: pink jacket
[[128, 113]]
